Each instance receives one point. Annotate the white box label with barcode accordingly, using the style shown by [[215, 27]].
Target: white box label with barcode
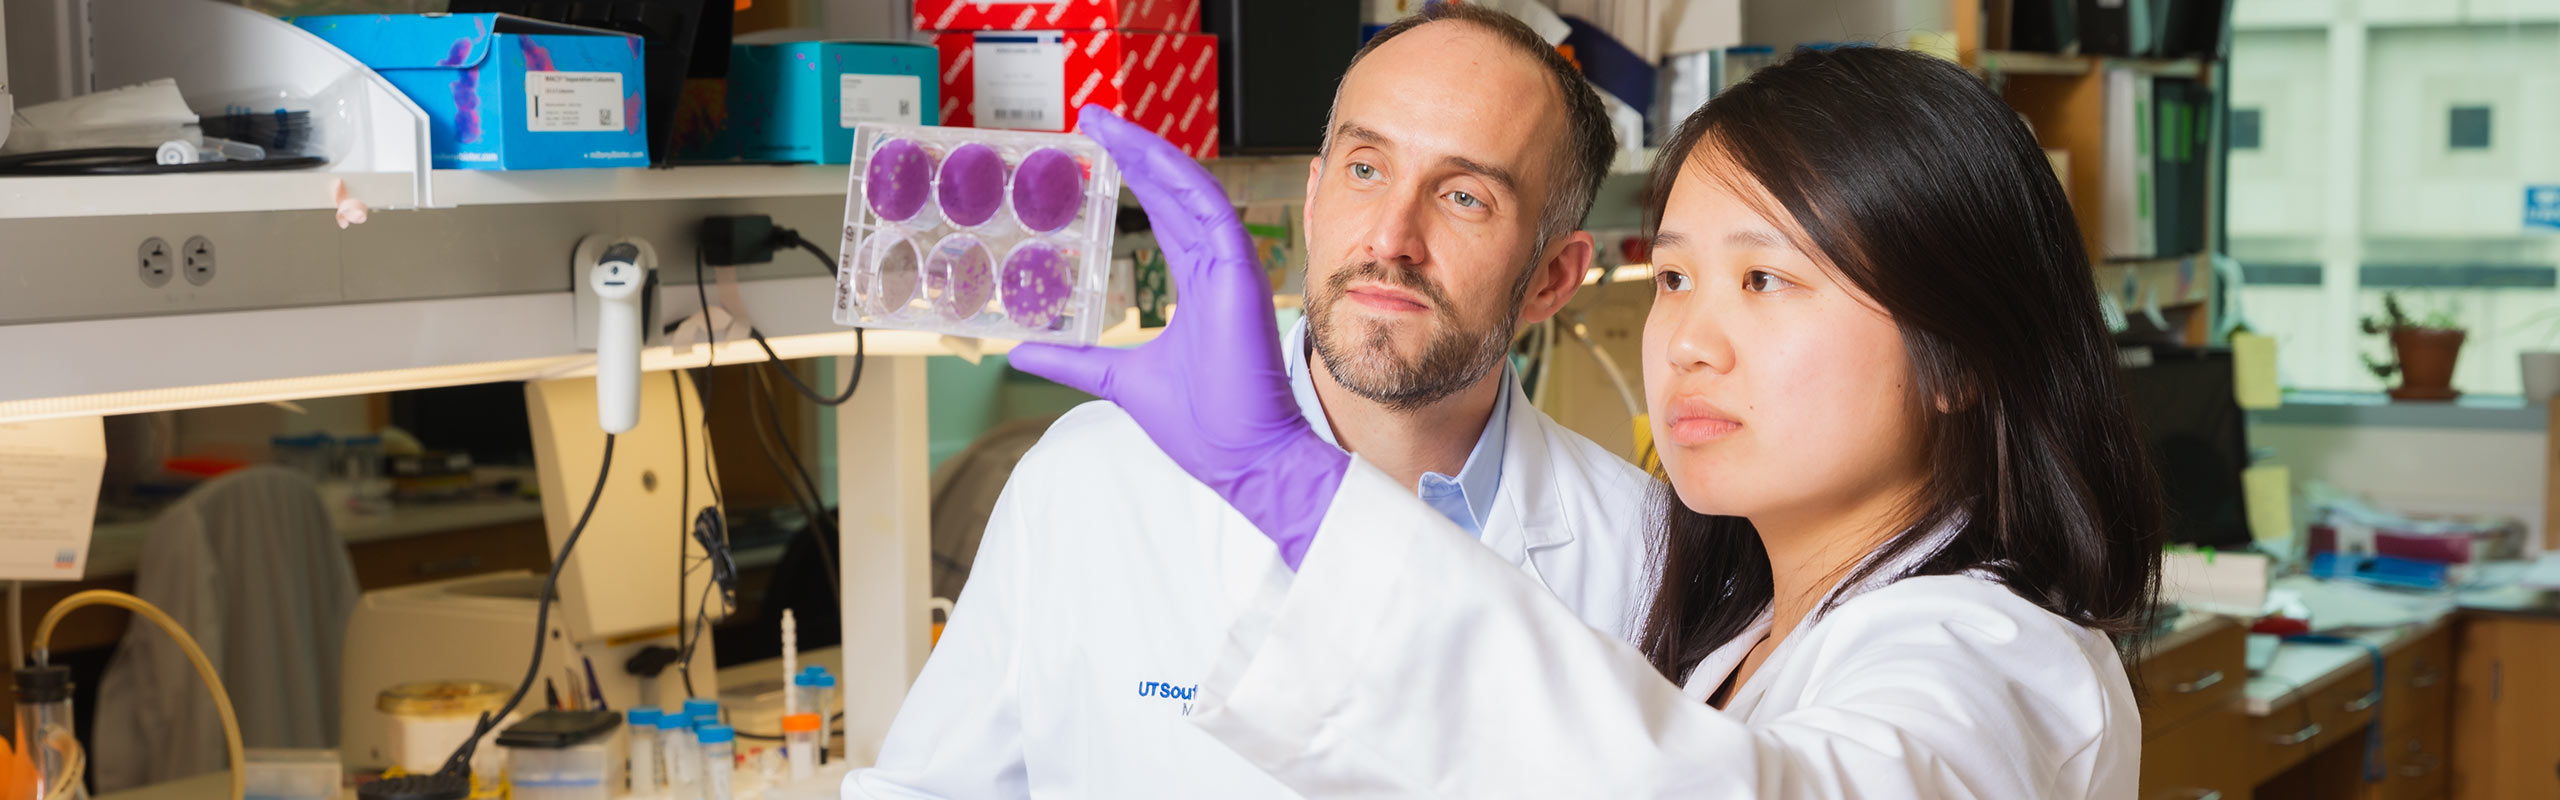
[[573, 101], [879, 98], [1022, 85]]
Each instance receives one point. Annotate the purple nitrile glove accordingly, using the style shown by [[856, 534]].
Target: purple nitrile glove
[[1210, 390]]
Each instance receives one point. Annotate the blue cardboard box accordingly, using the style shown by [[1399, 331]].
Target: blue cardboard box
[[799, 101], [507, 92]]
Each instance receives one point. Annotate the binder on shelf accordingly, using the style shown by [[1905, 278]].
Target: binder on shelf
[[2043, 26], [2195, 29], [2169, 167], [2129, 187], [2106, 26], [2158, 136]]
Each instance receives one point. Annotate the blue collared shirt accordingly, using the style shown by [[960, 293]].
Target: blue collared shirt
[[1467, 498]]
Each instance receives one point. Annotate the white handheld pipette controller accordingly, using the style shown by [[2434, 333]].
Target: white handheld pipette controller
[[618, 279]]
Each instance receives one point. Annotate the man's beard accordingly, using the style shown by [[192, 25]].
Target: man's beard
[[1364, 360]]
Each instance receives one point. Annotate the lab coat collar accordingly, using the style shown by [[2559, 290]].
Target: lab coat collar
[[1712, 670], [1528, 513], [1506, 523]]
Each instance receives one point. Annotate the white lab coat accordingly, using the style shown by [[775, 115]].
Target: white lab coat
[[1404, 661], [1108, 578], [251, 567]]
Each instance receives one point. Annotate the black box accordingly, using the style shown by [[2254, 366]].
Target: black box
[[1279, 62]]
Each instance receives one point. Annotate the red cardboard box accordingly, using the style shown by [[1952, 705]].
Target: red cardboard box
[[1035, 81], [1178, 16]]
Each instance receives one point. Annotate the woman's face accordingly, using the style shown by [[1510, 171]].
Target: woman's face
[[1778, 390]]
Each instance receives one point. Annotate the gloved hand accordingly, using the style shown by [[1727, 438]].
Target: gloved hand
[[1210, 390]]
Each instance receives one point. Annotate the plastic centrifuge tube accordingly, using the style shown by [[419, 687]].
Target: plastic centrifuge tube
[[719, 762], [643, 763], [801, 737], [682, 757]]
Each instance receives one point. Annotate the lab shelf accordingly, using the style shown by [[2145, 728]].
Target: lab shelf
[[381, 149], [2165, 282], [203, 193], [456, 187], [237, 192], [2024, 63], [330, 350]]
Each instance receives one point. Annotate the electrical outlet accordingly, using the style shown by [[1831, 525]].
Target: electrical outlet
[[158, 262], [199, 257]]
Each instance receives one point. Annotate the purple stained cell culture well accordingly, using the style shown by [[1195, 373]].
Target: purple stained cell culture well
[[960, 277], [898, 180], [972, 184], [898, 275], [1036, 285], [1048, 189]]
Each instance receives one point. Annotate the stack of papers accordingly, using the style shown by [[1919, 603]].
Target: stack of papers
[[2543, 574]]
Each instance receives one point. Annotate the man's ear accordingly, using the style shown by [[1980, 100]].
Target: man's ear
[[1560, 271], [1315, 174]]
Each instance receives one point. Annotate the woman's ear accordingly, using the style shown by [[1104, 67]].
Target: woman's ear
[[1958, 394]]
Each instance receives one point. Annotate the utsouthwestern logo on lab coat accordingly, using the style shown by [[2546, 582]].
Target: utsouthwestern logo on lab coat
[[1170, 692]]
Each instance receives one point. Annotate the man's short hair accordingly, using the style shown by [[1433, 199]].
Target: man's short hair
[[1588, 143]]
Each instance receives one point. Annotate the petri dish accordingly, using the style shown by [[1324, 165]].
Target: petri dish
[[893, 267], [1048, 189], [971, 187], [959, 277], [1038, 279], [898, 179]]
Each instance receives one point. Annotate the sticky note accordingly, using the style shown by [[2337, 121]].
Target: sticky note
[[2266, 491], [2253, 367]]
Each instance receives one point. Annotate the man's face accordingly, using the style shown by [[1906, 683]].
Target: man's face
[[1423, 212]]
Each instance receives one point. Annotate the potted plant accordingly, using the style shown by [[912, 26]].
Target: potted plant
[[2422, 350]]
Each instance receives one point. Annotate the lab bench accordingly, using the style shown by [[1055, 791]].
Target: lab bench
[[2465, 707], [748, 690], [408, 544]]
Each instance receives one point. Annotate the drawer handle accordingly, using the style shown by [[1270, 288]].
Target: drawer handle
[[2369, 700], [2420, 765], [2307, 733], [2201, 683], [2425, 679]]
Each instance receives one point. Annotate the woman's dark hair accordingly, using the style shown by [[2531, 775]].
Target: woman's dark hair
[[1923, 189]]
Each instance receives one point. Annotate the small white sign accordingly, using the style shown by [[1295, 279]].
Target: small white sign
[[1022, 82], [49, 474], [588, 102], [895, 99]]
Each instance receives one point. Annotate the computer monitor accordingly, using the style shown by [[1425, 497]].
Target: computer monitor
[[2184, 403]]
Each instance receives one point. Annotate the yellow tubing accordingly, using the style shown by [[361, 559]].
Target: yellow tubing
[[204, 666]]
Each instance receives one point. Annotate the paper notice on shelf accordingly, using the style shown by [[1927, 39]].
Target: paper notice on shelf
[[897, 99], [573, 101], [1022, 81], [49, 474]]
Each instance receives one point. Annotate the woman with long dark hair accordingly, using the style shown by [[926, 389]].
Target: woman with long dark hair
[[1907, 525]]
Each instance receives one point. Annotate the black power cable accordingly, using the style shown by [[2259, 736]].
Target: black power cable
[[823, 526], [460, 762], [684, 515], [793, 238]]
